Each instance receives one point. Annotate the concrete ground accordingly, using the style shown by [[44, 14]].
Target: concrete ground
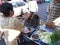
[[42, 11]]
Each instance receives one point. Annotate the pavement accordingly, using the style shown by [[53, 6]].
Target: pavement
[[42, 11]]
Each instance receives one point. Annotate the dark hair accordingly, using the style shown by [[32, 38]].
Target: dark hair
[[5, 8]]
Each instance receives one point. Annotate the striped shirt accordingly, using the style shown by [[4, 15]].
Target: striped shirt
[[54, 11]]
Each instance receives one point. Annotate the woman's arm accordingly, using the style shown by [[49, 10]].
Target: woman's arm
[[18, 25]]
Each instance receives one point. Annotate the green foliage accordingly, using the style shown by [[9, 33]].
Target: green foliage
[[55, 37]]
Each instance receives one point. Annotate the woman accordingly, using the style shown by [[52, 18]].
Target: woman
[[8, 22]]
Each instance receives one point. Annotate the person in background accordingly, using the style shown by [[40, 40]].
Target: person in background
[[53, 13], [33, 7], [10, 23]]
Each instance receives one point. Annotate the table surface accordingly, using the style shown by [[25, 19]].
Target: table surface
[[47, 29]]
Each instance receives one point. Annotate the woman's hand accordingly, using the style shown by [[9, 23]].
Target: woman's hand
[[50, 24]]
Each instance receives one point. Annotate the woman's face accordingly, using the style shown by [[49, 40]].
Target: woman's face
[[11, 13]]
